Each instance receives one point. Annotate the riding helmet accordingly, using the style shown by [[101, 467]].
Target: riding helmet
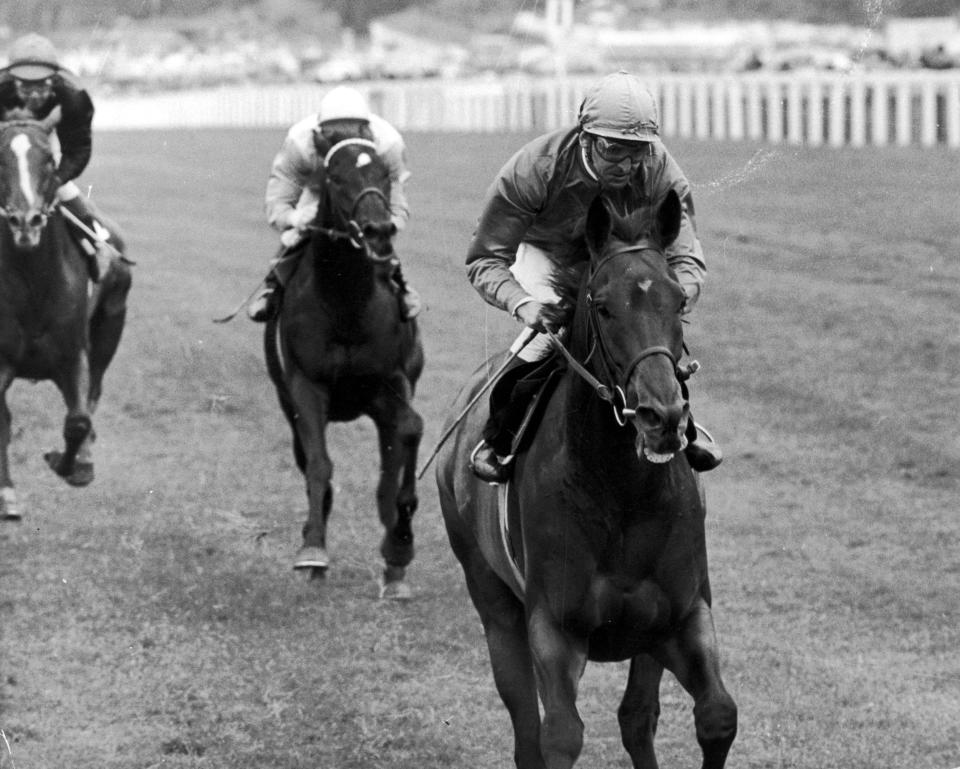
[[620, 107], [33, 57]]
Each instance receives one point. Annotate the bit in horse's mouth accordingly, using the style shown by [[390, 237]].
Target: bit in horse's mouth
[[656, 457]]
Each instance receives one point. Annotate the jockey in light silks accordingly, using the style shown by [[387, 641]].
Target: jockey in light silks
[[293, 195], [34, 84], [534, 219]]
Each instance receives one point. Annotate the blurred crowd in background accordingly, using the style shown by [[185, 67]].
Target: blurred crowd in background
[[411, 44]]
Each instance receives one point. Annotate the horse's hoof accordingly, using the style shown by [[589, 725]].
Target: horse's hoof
[[9, 509], [395, 591], [80, 475], [311, 558]]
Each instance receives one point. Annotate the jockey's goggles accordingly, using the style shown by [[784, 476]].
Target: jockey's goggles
[[616, 152]]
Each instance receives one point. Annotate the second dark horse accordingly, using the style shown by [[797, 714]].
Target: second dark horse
[[338, 349], [54, 323]]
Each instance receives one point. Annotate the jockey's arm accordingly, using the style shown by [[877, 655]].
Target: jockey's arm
[[510, 208], [74, 129], [685, 254], [289, 173]]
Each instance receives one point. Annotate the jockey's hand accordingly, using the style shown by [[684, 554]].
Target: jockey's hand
[[303, 216], [537, 316]]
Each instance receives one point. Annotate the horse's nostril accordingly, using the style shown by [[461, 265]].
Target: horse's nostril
[[649, 417], [16, 220], [37, 220]]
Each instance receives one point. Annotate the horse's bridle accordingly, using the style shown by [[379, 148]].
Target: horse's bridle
[[353, 231], [614, 394]]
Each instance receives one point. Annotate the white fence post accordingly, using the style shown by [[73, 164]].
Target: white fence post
[[905, 108]]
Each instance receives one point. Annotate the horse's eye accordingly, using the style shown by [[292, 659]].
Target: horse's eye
[[602, 311]]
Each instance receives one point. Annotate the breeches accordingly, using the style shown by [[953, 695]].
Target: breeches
[[534, 270]]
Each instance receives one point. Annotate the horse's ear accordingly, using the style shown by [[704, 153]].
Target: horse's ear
[[598, 225], [669, 216]]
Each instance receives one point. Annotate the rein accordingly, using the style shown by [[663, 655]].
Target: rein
[[614, 394]]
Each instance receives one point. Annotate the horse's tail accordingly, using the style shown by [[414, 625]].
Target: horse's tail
[[271, 353]]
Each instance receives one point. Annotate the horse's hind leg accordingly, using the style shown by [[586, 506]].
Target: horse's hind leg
[[106, 328], [74, 384], [400, 429], [505, 627], [640, 711]]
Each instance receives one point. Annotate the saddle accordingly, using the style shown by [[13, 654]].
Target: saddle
[[517, 402]]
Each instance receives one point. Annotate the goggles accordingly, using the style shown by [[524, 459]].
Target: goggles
[[616, 152]]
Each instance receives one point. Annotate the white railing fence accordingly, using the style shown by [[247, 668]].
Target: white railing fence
[[877, 108]]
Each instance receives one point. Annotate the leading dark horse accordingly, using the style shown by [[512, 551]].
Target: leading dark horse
[[54, 323], [600, 552], [338, 349]]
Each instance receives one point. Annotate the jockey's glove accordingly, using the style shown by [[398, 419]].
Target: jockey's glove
[[303, 216]]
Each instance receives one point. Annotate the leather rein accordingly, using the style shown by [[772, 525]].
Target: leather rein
[[614, 394]]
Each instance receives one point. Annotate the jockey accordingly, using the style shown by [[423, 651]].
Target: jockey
[[292, 200], [534, 218], [34, 84]]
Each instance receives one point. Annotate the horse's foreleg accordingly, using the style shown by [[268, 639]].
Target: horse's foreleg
[[640, 711], [8, 498], [312, 403], [693, 658], [74, 385], [559, 659]]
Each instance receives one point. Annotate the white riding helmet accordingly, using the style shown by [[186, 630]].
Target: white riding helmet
[[343, 103], [33, 57], [620, 107]]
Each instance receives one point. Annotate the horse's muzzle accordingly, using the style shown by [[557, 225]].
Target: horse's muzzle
[[661, 431], [26, 229]]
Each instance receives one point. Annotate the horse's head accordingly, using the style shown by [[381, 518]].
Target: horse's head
[[27, 179], [357, 190], [633, 306]]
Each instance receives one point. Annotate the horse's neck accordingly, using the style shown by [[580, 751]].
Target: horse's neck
[[46, 274]]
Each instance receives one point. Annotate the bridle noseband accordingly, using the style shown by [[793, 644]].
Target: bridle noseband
[[614, 394]]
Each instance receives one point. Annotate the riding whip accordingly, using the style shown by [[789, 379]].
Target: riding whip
[[531, 333], [232, 314], [95, 236]]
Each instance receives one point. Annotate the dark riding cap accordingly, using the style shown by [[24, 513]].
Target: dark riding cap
[[33, 57], [620, 107]]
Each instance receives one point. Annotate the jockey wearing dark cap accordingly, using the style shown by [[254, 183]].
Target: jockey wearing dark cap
[[534, 217], [33, 85]]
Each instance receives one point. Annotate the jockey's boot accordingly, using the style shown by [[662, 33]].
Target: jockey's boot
[[487, 465], [702, 451], [88, 244], [264, 303], [410, 302]]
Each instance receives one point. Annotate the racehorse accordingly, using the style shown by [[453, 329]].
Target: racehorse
[[338, 349], [594, 550], [55, 324]]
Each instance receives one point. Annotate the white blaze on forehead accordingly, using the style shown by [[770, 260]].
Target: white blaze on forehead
[[21, 146], [363, 159]]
